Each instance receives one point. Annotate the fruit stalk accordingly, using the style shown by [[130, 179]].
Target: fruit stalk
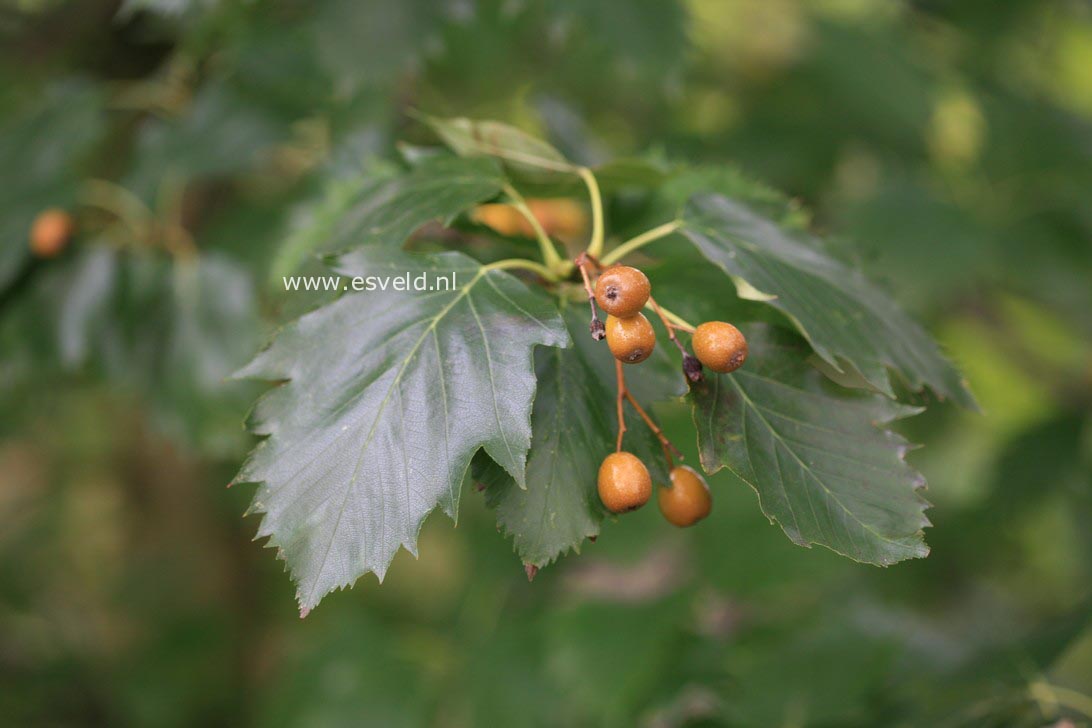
[[598, 330], [665, 444], [621, 377]]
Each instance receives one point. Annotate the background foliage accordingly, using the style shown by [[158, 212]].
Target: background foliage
[[948, 146]]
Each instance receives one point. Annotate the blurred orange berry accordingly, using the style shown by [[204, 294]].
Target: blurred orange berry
[[50, 232]]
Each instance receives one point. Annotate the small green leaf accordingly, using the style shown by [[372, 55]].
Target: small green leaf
[[574, 427], [848, 321], [520, 151], [816, 455], [387, 396]]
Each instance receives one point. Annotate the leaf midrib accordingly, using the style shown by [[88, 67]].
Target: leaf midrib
[[378, 415]]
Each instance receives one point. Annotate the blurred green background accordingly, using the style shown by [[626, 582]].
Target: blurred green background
[[945, 146]]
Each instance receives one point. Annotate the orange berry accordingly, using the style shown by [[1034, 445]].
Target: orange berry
[[631, 340], [622, 291], [560, 217], [503, 219], [687, 501], [50, 232], [719, 346], [624, 482]]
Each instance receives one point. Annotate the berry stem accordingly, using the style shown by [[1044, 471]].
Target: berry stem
[[550, 255], [677, 322], [621, 397], [624, 395], [640, 241], [598, 330], [668, 448], [669, 325], [691, 364], [595, 246], [524, 264]]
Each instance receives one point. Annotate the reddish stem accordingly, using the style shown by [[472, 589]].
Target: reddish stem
[[621, 397]]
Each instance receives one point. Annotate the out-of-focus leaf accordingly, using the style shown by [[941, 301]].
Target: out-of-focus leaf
[[787, 676], [816, 457], [42, 148], [388, 396], [723, 179], [573, 428], [849, 322], [607, 657], [520, 152], [386, 209], [359, 43], [995, 686], [631, 172], [169, 331], [350, 669], [220, 133], [645, 38]]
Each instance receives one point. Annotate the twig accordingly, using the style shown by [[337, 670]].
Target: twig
[[668, 448], [624, 395], [523, 263], [621, 397], [668, 325], [595, 245], [640, 241], [598, 330], [549, 253], [691, 365]]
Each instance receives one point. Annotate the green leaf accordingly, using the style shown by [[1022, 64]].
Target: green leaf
[[730, 181], [388, 396], [639, 39], [362, 44], [575, 425], [520, 151], [221, 133], [816, 456], [171, 331], [388, 208], [848, 321], [42, 147]]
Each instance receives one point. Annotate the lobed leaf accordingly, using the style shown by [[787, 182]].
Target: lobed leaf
[[849, 322], [822, 466], [387, 397]]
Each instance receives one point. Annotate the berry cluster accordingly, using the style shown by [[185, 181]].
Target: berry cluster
[[624, 481]]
